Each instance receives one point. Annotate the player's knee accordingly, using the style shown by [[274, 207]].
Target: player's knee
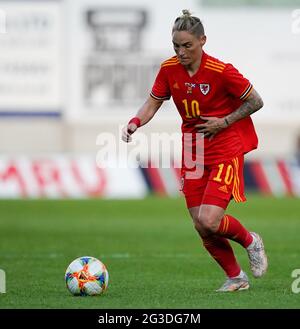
[[206, 224], [199, 228]]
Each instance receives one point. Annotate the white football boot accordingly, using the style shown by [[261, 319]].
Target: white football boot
[[257, 256]]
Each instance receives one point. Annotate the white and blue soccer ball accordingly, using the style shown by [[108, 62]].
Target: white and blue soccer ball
[[86, 276]]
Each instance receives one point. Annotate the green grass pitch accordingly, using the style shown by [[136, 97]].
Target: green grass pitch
[[154, 257]]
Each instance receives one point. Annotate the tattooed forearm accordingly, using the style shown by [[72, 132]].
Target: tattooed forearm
[[252, 104]]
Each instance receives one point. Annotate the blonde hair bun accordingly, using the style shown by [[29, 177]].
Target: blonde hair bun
[[186, 12]]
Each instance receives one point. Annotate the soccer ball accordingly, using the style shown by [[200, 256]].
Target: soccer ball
[[86, 276]]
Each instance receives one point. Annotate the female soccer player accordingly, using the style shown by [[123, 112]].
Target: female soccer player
[[213, 99]]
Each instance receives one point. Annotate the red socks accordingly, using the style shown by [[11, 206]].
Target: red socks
[[219, 247], [221, 251], [232, 229]]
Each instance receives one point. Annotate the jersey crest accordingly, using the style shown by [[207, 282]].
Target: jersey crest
[[204, 87]]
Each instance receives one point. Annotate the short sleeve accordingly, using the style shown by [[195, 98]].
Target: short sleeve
[[161, 89], [235, 83]]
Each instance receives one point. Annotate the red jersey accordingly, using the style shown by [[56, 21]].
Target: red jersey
[[215, 90]]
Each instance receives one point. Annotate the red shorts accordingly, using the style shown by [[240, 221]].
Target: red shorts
[[218, 185]]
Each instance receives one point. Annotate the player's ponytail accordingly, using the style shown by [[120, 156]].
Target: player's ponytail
[[189, 23]]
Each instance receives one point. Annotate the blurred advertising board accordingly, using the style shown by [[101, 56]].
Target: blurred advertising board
[[63, 176]]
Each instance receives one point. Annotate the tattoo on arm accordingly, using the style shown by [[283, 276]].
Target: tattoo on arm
[[252, 104]]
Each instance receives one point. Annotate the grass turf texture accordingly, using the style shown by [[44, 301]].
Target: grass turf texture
[[154, 257]]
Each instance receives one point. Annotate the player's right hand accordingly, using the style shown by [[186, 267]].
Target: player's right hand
[[127, 131]]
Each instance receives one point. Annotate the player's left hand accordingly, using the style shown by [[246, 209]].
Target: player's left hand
[[211, 126]]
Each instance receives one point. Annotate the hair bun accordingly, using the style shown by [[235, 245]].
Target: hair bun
[[186, 12]]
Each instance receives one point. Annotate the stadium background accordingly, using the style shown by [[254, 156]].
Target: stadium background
[[72, 73]]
